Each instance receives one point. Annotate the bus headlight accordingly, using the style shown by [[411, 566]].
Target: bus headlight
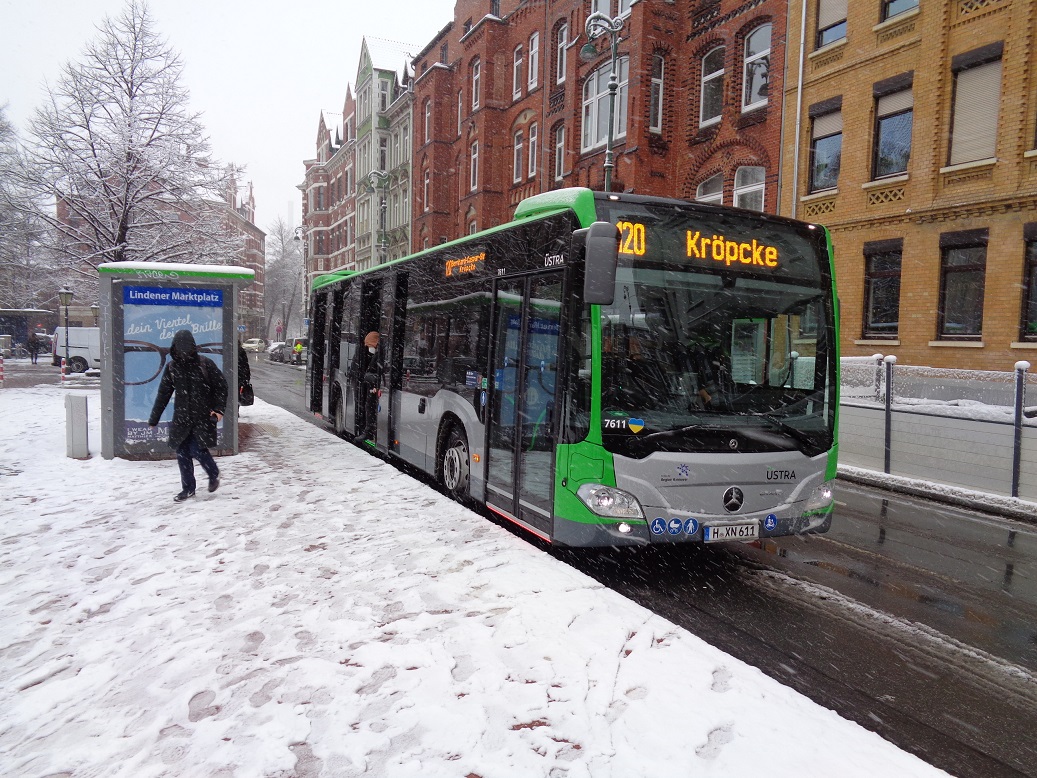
[[610, 501], [821, 498]]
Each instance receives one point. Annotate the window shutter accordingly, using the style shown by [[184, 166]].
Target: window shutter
[[830, 12], [977, 99], [829, 124], [896, 102]]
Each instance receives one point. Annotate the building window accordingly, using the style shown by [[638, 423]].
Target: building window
[[534, 60], [891, 8], [596, 105], [756, 71], [426, 194], [428, 121], [893, 121], [476, 79], [831, 21], [533, 149], [383, 95], [605, 6], [561, 50], [711, 190], [516, 74], [516, 166], [826, 144], [473, 166], [962, 274], [1029, 324], [749, 187], [712, 87], [977, 99], [460, 109], [882, 261], [383, 153], [472, 227], [655, 110], [560, 152]]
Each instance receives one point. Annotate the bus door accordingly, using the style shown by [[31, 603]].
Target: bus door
[[329, 345], [523, 424], [395, 310]]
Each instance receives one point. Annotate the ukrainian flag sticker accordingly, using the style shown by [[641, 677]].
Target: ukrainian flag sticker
[[635, 425]]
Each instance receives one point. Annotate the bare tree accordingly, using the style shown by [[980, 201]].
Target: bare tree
[[26, 275], [118, 166], [283, 281]]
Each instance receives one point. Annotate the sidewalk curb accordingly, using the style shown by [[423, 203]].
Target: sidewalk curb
[[996, 505]]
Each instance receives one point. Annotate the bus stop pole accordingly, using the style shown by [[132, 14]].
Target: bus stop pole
[[1020, 389]]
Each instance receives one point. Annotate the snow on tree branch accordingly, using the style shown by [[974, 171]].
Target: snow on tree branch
[[117, 164]]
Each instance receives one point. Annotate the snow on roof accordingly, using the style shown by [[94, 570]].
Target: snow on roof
[[390, 55], [164, 269]]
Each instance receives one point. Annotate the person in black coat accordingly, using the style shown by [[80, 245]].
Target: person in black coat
[[244, 370], [199, 404], [366, 369]]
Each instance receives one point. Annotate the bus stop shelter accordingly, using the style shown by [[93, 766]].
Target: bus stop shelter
[[142, 305]]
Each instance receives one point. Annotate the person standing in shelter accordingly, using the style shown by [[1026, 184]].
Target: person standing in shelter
[[367, 368], [244, 370], [33, 346], [199, 404]]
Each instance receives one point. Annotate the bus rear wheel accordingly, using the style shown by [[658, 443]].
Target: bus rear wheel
[[455, 469]]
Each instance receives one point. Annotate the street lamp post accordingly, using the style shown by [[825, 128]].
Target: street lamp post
[[65, 296], [599, 24]]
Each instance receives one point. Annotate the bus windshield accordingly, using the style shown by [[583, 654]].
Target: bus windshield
[[720, 336]]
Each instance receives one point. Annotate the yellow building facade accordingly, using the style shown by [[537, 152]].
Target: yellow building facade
[[910, 130]]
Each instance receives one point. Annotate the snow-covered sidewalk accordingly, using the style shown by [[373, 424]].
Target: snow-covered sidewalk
[[324, 615]]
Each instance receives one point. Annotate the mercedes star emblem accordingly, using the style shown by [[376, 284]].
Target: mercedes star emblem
[[733, 499]]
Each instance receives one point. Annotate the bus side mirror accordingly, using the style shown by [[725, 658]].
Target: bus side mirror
[[601, 256]]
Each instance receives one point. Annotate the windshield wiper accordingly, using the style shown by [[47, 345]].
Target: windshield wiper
[[681, 431], [794, 433]]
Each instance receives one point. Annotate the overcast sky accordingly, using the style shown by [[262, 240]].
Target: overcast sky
[[260, 71]]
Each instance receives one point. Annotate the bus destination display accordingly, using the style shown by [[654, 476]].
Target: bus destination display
[[633, 241]]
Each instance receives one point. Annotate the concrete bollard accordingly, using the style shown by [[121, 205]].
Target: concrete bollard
[[76, 427]]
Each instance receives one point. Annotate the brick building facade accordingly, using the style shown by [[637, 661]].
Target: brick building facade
[[505, 107], [909, 129], [356, 191], [241, 221], [916, 143]]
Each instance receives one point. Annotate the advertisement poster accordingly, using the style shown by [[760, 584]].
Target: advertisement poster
[[151, 316]]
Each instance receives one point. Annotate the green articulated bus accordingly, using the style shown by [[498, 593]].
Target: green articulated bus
[[606, 369]]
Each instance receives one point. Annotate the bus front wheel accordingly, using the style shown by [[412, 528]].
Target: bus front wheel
[[455, 464]]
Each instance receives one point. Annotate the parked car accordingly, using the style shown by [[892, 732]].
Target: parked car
[[254, 344], [276, 352]]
